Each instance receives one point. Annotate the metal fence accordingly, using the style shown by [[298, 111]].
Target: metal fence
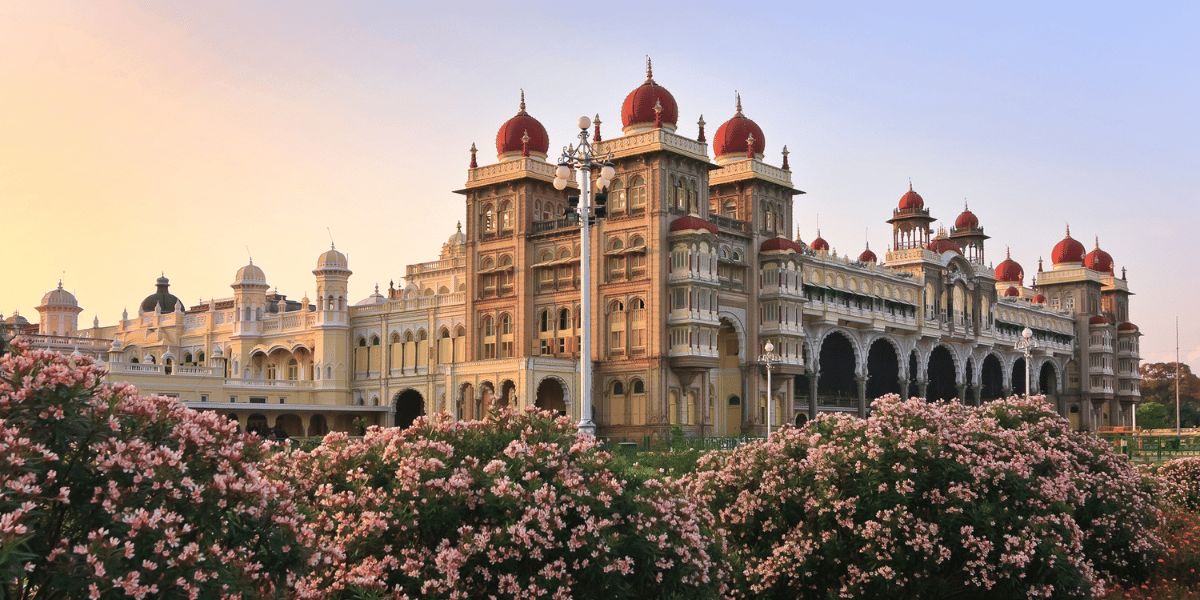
[[1152, 447]]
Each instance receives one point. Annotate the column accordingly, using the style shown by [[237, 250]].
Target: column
[[862, 396], [812, 394], [922, 387], [903, 381], [962, 394]]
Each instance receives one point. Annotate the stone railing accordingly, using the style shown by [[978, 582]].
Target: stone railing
[[511, 169], [657, 139], [747, 169], [277, 384]]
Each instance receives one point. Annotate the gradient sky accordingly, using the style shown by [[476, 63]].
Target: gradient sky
[[146, 137]]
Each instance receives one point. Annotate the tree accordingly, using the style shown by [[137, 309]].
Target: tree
[[1158, 383]]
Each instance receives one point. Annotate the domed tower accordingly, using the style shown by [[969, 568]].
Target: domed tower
[[910, 222], [161, 301], [1099, 260], [60, 312], [969, 235], [250, 299], [522, 136], [333, 280], [1068, 253], [649, 106]]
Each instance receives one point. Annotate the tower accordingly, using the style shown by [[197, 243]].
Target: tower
[[910, 222], [60, 312]]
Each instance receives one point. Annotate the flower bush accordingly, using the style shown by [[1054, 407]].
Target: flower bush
[[107, 494], [929, 500], [1181, 482], [520, 506]]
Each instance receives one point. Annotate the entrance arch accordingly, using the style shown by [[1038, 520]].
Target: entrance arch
[[883, 370], [801, 419], [1018, 376], [317, 426], [550, 396], [941, 375], [1048, 380], [837, 370], [991, 380], [408, 404]]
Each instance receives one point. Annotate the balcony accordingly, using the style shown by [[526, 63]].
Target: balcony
[[268, 384]]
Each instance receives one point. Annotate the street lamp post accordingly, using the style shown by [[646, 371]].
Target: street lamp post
[[1027, 344], [769, 358], [586, 157]]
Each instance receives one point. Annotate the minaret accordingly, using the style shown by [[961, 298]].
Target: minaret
[[60, 312], [250, 299], [333, 279]]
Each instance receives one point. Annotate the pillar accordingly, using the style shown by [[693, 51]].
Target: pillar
[[862, 396], [812, 394], [922, 388], [962, 394]]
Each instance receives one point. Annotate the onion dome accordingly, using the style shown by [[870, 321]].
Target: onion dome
[[375, 298], [819, 244], [163, 300], [943, 245], [965, 221], [1012, 292], [250, 274], [732, 137], [1099, 320], [59, 297], [16, 319], [1127, 326], [1098, 260], [1039, 299], [1009, 270], [868, 256], [1069, 250], [510, 142], [637, 112], [332, 259], [780, 244], [693, 222], [911, 200]]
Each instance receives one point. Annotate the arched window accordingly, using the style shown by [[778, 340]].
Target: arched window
[[637, 326], [564, 320], [489, 337], [680, 194], [374, 340], [729, 209], [488, 224], [506, 216], [362, 342], [637, 387], [544, 321], [293, 370], [200, 359], [616, 196], [616, 327], [616, 261], [187, 358], [637, 193], [618, 388]]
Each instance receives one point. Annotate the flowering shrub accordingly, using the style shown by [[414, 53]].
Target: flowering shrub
[[521, 506], [1181, 482], [107, 494], [1177, 573], [927, 500]]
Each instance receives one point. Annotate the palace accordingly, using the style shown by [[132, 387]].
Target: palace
[[694, 271]]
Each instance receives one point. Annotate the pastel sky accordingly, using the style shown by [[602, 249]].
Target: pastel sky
[[146, 137]]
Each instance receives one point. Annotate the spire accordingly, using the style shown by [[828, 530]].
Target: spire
[[1008, 253], [910, 184], [966, 207], [1039, 264], [649, 70], [1068, 230], [522, 111], [1122, 273], [750, 146], [474, 163], [596, 138], [785, 161], [739, 104], [700, 138], [460, 226], [1097, 243]]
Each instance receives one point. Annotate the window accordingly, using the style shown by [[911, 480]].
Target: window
[[374, 340], [258, 399], [489, 219], [729, 209], [506, 216], [638, 386], [233, 398], [544, 321], [637, 193], [637, 314], [616, 320], [616, 196], [564, 320], [204, 397], [293, 370], [616, 262]]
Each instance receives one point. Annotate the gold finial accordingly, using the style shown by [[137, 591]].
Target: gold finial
[[460, 226], [739, 103], [522, 99], [1097, 242], [966, 207], [1068, 230], [701, 121], [785, 151], [525, 137], [910, 184], [473, 150], [649, 69], [596, 121], [750, 140], [657, 106]]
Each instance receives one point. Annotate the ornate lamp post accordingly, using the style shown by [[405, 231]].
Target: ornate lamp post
[[1027, 344], [769, 358], [586, 157]]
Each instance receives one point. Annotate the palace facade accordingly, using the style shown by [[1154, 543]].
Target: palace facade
[[694, 271]]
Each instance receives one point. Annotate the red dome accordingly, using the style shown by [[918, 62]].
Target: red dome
[[1069, 250], [943, 245], [1127, 326], [692, 223], [1039, 299], [1009, 270], [1099, 320], [911, 199], [819, 244], [508, 139], [732, 135], [639, 104], [868, 256], [780, 244], [1098, 260], [1012, 292], [967, 220]]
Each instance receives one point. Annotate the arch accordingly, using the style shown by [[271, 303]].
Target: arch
[[408, 405], [1047, 379], [508, 392], [257, 423], [1018, 377], [883, 368], [801, 419], [636, 386], [914, 372], [837, 366], [991, 378], [289, 425], [941, 373], [317, 426], [551, 395]]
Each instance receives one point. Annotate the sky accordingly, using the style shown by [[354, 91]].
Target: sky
[[148, 137]]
